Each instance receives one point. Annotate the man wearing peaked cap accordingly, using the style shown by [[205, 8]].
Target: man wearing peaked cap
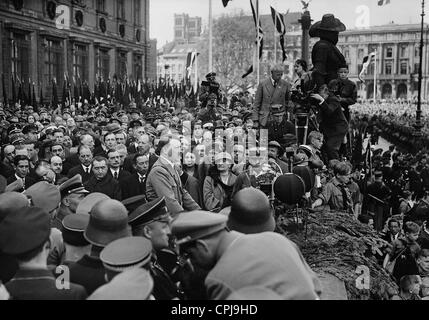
[[25, 234], [235, 260], [133, 284], [125, 254], [72, 193], [152, 221], [108, 222], [133, 203], [73, 227]]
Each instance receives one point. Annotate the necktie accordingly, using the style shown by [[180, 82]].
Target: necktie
[[116, 175], [87, 170], [347, 203]]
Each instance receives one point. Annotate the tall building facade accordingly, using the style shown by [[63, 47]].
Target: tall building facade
[[186, 29], [397, 50], [83, 40]]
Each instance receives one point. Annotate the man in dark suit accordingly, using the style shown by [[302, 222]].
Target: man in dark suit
[[135, 184], [101, 181], [25, 235], [85, 166], [114, 161], [20, 179], [273, 90], [109, 143]]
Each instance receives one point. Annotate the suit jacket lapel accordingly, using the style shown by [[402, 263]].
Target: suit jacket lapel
[[270, 88]]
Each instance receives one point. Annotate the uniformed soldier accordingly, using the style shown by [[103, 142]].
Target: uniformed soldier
[[279, 125], [25, 234], [208, 87], [237, 260], [77, 246], [72, 193], [134, 202], [108, 222], [152, 221]]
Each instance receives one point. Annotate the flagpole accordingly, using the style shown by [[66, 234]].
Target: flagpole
[[375, 76], [275, 42], [196, 72], [210, 37], [258, 41]]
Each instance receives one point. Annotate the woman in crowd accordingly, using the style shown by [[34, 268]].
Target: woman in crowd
[[219, 183]]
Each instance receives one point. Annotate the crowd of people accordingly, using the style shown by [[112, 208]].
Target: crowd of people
[[163, 200]]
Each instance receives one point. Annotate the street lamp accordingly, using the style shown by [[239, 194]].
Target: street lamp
[[418, 126]]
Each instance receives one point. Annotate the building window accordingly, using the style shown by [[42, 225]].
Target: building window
[[121, 9], [191, 24], [403, 51], [416, 51], [80, 62], [103, 63], [20, 56], [346, 54], [416, 67], [101, 5], [360, 54], [138, 66], [388, 68], [178, 21], [137, 13], [53, 61], [389, 52], [403, 68], [178, 34], [122, 64]]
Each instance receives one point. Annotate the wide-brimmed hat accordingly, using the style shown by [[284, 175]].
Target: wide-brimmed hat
[[328, 23]]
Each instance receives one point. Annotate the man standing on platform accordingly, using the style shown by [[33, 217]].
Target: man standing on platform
[[271, 91]]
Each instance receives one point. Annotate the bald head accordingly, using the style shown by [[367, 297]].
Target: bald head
[[11, 201]]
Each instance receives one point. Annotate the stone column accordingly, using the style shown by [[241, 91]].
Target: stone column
[[91, 65]]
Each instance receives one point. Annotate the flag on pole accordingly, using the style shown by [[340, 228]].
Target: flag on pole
[[281, 29], [189, 62], [383, 2], [260, 37], [367, 60], [225, 3], [368, 160]]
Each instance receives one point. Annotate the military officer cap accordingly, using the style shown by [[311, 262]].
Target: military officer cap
[[208, 125], [133, 284], [134, 202], [74, 226], [277, 109], [73, 185], [14, 128], [154, 210], [24, 230], [17, 138], [44, 195], [135, 123], [194, 225], [211, 74], [89, 201], [126, 253]]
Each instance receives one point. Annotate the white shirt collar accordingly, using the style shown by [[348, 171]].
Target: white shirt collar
[[86, 167], [114, 170], [19, 178]]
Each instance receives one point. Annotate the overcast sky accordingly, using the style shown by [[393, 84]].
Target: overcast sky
[[162, 12]]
